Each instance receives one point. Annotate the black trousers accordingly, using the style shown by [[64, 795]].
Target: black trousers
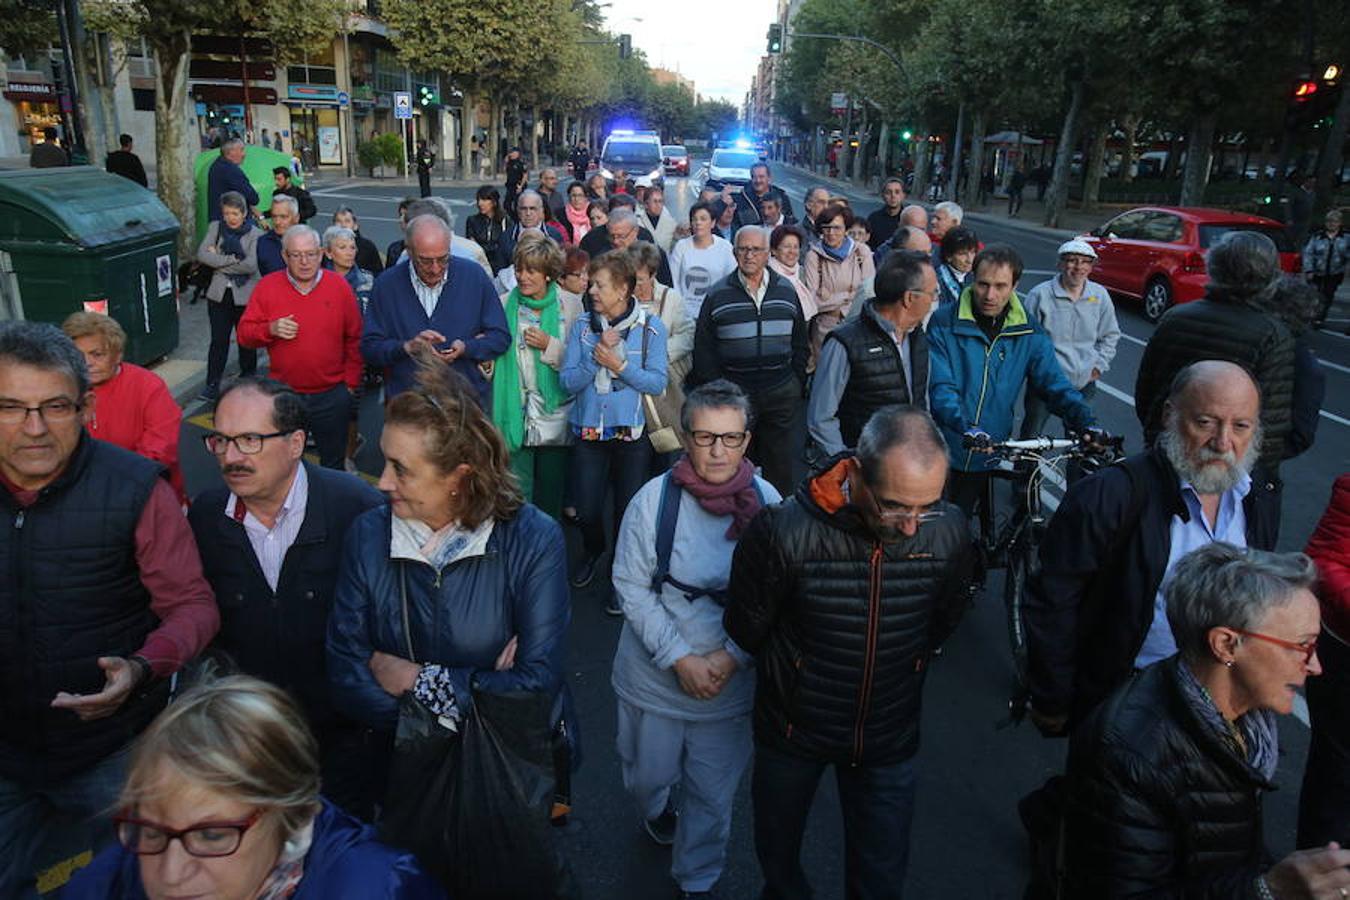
[[224, 319], [1326, 286], [424, 182], [1324, 804], [329, 411], [779, 436]]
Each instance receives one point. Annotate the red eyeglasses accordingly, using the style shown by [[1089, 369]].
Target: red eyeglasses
[[1308, 650], [205, 839]]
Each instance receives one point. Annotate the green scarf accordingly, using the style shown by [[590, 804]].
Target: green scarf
[[508, 412]]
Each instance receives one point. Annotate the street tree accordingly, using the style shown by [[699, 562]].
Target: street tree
[[294, 27]]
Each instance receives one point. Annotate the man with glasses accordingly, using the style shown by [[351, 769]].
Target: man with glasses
[[1080, 318], [271, 542], [751, 331], [434, 302], [841, 595], [310, 323], [623, 230], [879, 358], [102, 601]]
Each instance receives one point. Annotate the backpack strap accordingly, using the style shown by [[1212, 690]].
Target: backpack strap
[[667, 515]]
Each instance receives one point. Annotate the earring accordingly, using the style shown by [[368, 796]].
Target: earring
[[1229, 664], [456, 494]]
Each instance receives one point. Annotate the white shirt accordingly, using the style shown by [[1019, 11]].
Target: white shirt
[[270, 545], [755, 295], [427, 296]]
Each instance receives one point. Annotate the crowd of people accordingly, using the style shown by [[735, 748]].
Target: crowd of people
[[768, 433]]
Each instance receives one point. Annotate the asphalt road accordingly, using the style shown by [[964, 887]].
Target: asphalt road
[[967, 841]]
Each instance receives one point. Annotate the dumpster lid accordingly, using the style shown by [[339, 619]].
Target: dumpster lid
[[92, 207]]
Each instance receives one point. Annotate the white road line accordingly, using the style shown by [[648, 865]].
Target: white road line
[[1134, 340], [1337, 367], [1127, 399]]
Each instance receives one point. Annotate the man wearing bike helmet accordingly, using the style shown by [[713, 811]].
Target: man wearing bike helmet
[[983, 349]]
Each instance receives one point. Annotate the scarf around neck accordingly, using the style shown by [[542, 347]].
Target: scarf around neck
[[736, 498], [841, 253], [507, 401], [1258, 726], [232, 244], [580, 222], [635, 316]]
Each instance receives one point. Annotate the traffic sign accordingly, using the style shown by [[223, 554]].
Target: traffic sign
[[402, 105], [343, 99]]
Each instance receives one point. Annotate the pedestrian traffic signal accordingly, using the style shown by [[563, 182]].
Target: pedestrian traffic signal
[[906, 134], [625, 46], [1313, 101], [427, 96], [775, 38]]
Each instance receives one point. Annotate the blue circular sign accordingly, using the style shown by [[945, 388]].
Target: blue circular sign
[[343, 98]]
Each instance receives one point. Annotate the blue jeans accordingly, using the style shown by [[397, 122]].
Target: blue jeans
[[878, 807], [596, 467], [29, 813]]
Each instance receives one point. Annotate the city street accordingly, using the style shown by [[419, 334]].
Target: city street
[[967, 841]]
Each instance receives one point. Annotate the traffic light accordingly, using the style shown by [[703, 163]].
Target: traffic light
[[775, 38], [427, 96], [625, 46], [906, 134], [1312, 101]]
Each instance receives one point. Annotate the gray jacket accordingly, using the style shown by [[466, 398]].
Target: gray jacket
[[223, 266], [1084, 331]]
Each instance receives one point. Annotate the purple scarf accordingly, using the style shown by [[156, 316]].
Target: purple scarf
[[736, 498]]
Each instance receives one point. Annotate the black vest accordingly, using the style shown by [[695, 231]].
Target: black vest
[[71, 592], [876, 377]]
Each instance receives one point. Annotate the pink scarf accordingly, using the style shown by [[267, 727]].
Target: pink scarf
[[580, 222], [736, 498]]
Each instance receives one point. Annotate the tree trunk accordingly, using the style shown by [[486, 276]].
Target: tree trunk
[[1130, 125], [922, 155], [1058, 192], [977, 150], [1169, 172], [861, 155], [1094, 166], [1199, 153], [1330, 163], [884, 150], [494, 141], [954, 167], [100, 83], [534, 135], [173, 159], [468, 124]]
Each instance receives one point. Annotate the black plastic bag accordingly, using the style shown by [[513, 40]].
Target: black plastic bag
[[474, 805]]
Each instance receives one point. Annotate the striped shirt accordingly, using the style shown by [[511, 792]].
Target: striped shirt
[[270, 545]]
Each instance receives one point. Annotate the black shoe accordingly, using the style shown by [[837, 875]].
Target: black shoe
[[613, 607], [662, 828], [584, 572], [209, 394]]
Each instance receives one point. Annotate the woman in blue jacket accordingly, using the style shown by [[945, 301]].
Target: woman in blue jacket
[[613, 357], [457, 584], [222, 800]]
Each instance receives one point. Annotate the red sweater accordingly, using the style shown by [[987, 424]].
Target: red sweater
[[135, 411], [327, 349], [1329, 547]]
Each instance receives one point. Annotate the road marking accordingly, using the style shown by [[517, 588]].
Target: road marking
[[1134, 340], [331, 193], [1126, 398], [1332, 365]]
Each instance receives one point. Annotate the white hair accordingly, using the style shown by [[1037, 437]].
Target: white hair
[[950, 208], [296, 232]]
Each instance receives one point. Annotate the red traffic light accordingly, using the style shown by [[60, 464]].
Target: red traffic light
[[1304, 90]]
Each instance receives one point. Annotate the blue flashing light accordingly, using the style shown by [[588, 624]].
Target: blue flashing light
[[743, 144], [625, 132]]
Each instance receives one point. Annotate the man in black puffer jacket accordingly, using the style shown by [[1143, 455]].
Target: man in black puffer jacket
[[1234, 322], [841, 594]]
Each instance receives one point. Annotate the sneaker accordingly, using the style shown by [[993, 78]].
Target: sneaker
[[209, 394], [613, 607], [662, 828], [584, 572]]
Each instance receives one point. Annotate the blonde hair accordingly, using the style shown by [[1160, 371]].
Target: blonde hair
[[92, 324], [237, 736], [538, 253], [456, 431]]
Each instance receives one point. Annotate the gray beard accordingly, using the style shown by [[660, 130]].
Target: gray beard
[[1208, 479]]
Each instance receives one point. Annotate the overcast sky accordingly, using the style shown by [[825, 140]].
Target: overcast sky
[[717, 43]]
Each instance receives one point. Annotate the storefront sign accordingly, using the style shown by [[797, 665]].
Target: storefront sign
[[32, 92], [313, 93]]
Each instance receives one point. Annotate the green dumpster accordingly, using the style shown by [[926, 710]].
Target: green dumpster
[[78, 238]]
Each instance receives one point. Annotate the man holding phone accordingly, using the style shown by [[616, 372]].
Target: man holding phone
[[436, 299]]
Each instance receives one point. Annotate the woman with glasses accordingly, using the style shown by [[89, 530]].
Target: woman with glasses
[[833, 270], [684, 703], [576, 219], [614, 356], [230, 250], [1166, 776], [222, 800]]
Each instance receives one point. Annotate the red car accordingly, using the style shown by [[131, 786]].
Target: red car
[[675, 158], [1157, 253]]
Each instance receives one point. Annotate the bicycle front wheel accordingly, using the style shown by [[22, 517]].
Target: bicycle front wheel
[[1014, 588]]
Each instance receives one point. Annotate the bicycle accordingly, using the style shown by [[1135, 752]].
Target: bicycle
[[1016, 547]]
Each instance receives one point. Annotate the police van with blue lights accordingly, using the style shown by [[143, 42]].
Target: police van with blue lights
[[637, 153]]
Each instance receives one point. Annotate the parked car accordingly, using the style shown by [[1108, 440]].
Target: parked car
[[675, 158], [1156, 254]]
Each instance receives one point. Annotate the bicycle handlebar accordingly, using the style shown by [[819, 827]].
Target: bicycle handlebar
[[1043, 444]]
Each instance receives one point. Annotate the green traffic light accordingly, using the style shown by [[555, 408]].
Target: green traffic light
[[906, 134]]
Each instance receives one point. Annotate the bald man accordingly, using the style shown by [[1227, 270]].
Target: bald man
[[1095, 611]]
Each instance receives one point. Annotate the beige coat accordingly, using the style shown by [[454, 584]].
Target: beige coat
[[833, 284], [222, 266]]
